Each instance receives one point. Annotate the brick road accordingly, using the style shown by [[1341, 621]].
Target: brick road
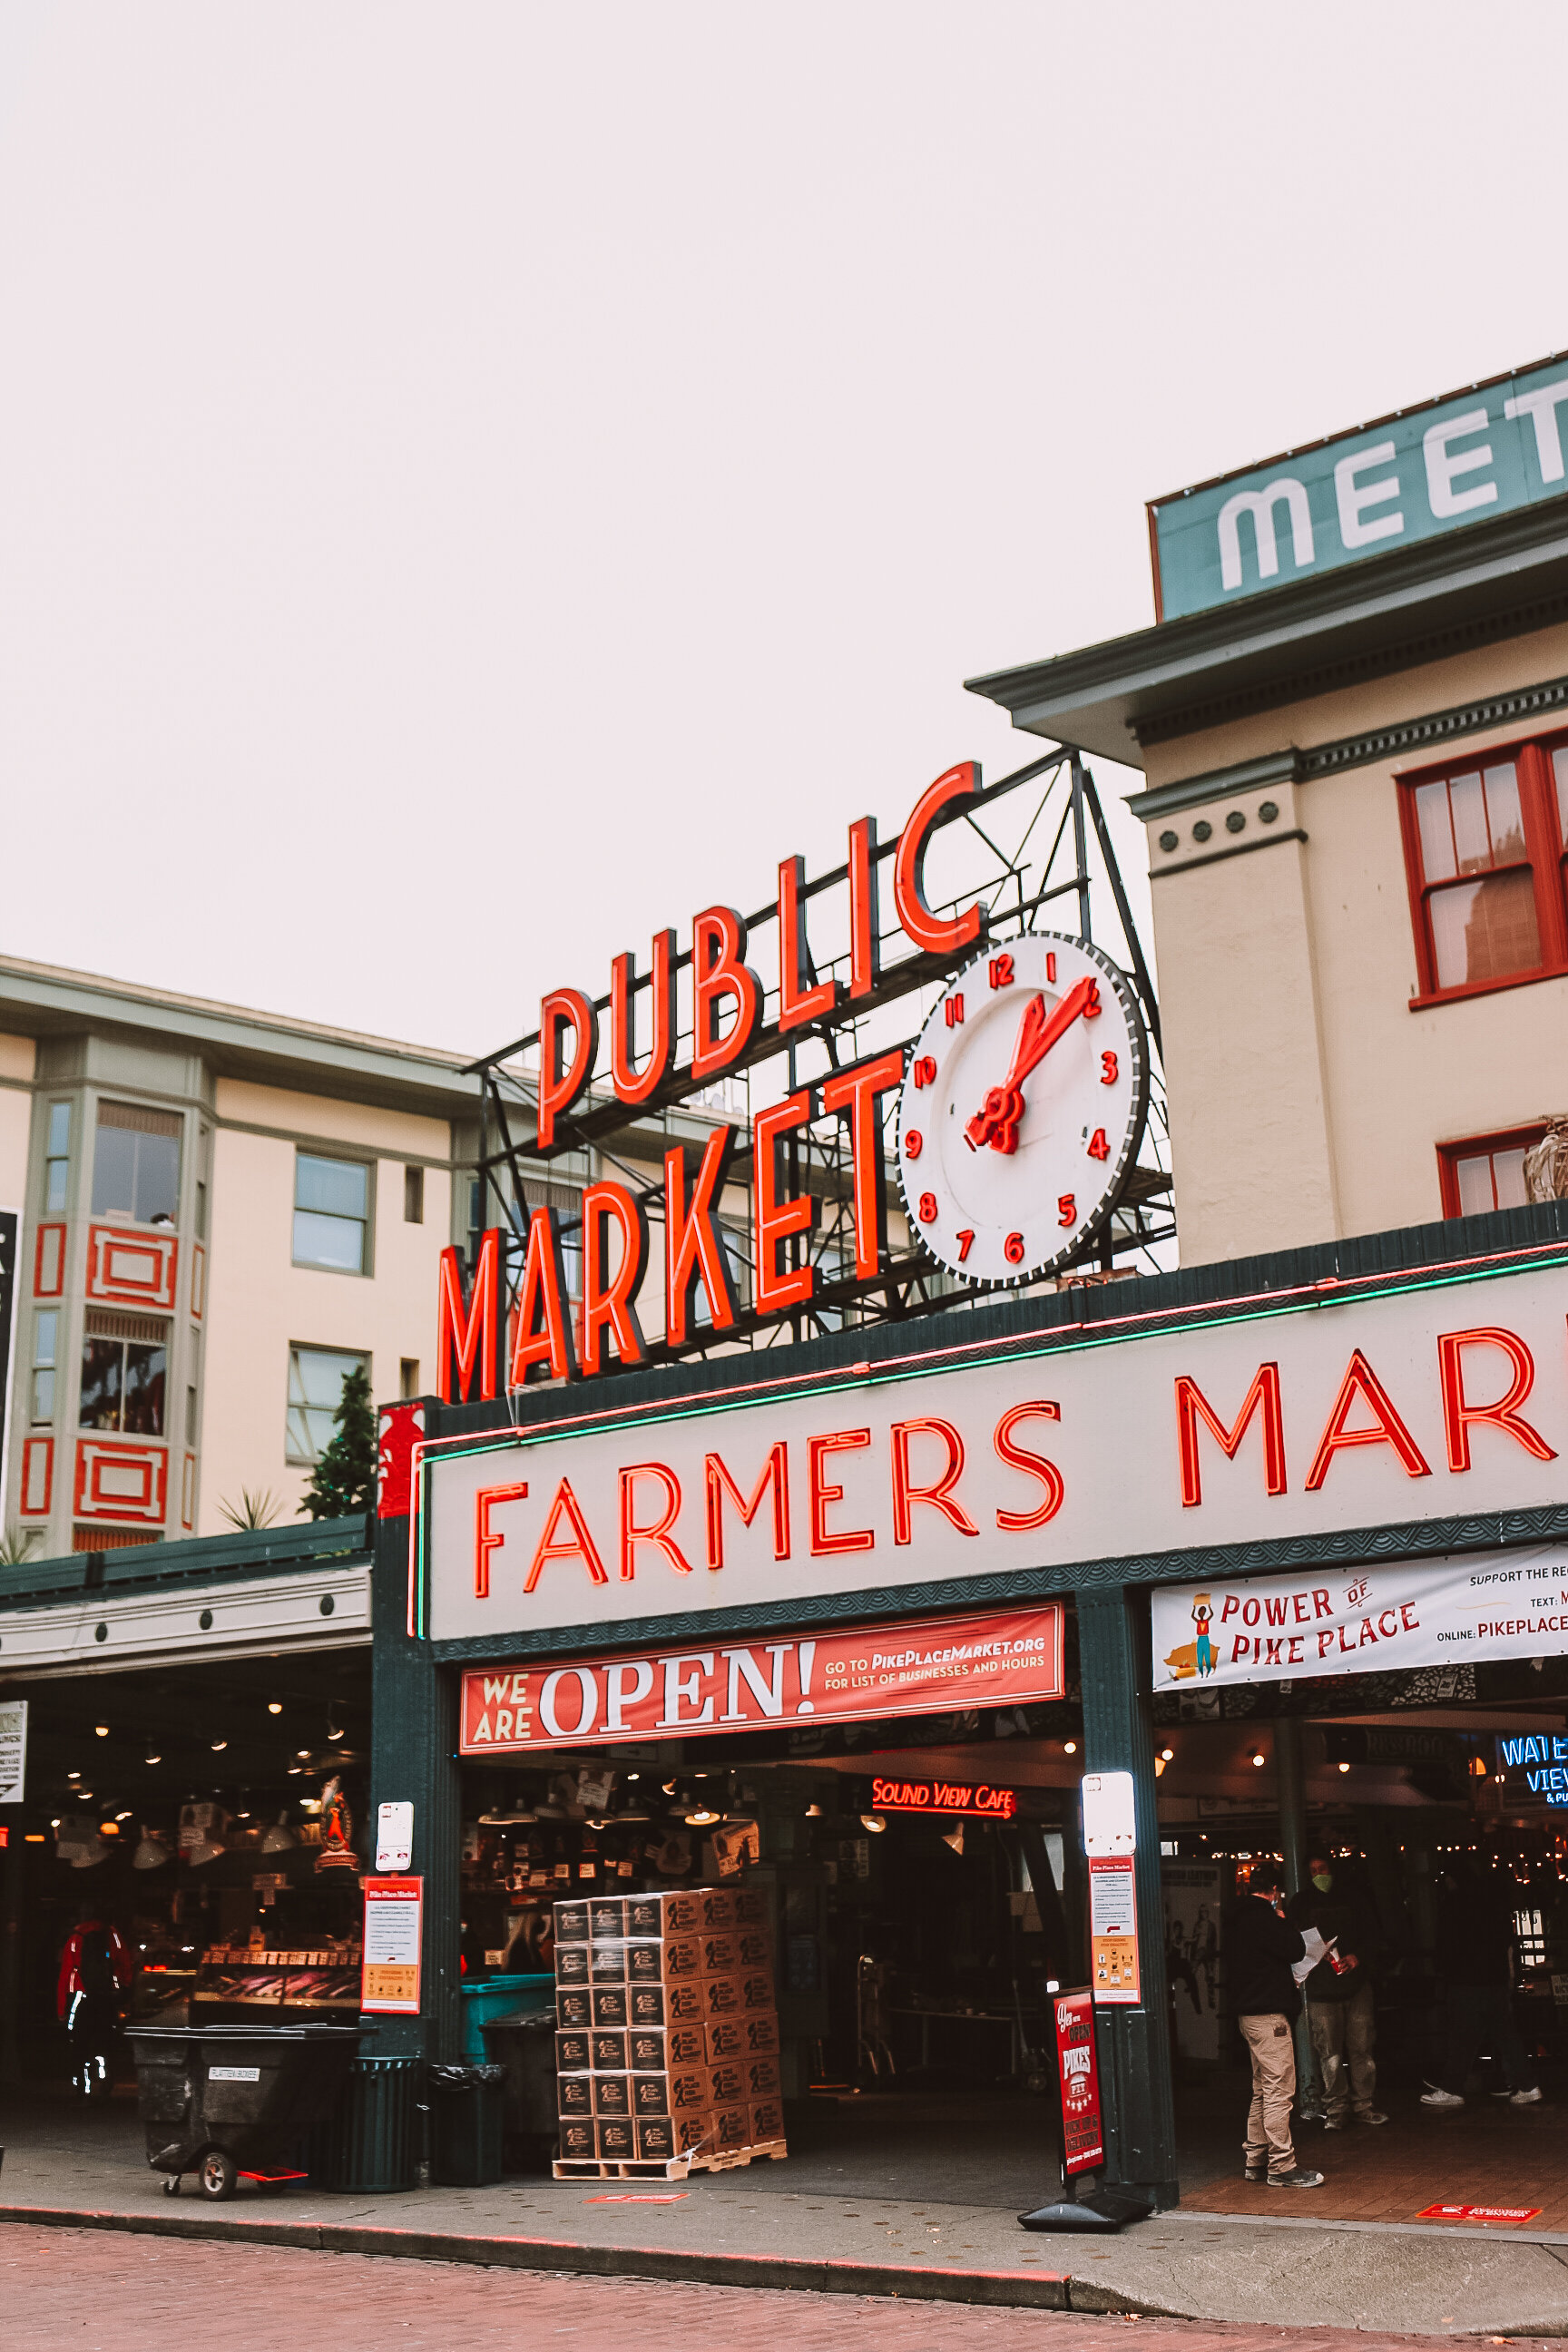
[[108, 2291]]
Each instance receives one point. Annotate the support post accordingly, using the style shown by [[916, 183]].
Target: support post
[[414, 1740], [1113, 1644], [1291, 1783], [13, 1863]]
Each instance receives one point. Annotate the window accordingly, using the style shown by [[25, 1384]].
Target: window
[[56, 1166], [1485, 1171], [191, 1418], [46, 1340], [1484, 844], [316, 1377], [408, 1377], [136, 1163], [413, 1196], [331, 1215], [124, 1365]]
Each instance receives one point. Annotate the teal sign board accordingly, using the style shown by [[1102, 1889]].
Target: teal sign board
[[1483, 452]]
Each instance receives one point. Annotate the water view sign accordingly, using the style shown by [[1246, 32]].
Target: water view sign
[[1483, 452]]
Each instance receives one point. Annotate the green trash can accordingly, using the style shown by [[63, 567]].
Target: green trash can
[[370, 2147], [466, 2108]]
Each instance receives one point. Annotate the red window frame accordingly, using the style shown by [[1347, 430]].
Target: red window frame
[[1471, 1146], [1544, 852]]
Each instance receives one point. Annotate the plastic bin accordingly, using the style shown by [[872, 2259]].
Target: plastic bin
[[495, 1997], [230, 2102], [465, 2125], [370, 2148]]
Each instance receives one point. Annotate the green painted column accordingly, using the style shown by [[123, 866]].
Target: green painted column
[[1134, 2042], [1289, 1774], [414, 1740]]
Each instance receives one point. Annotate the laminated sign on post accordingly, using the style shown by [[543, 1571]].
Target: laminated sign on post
[[393, 1914], [13, 1750], [1109, 1843]]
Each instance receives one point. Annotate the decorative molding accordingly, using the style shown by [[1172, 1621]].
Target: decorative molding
[[135, 1268], [1217, 784], [120, 1480], [1237, 849]]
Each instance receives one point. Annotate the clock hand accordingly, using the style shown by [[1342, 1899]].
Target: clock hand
[[996, 1122]]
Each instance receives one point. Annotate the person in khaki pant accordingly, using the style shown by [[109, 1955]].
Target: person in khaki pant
[[1262, 1951]]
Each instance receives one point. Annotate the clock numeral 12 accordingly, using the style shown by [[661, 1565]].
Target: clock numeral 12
[[1001, 971]]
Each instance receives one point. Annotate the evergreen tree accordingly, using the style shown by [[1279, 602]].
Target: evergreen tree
[[344, 1479]]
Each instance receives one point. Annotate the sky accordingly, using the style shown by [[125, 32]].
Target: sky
[[480, 482]]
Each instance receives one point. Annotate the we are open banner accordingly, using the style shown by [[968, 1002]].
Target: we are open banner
[[932, 1665]]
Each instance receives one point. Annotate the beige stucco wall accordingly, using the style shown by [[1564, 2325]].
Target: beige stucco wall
[[18, 1058], [260, 1302], [1307, 1098]]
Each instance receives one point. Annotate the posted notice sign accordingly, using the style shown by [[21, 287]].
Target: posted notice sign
[[930, 1665], [13, 1750], [393, 1918], [1113, 1929]]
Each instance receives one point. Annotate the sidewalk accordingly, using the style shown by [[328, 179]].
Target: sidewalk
[[65, 2167]]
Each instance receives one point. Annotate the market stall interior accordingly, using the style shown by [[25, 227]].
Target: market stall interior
[[196, 1823]]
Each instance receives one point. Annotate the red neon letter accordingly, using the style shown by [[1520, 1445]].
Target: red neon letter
[[561, 1083], [486, 1537], [718, 946], [632, 1535], [631, 1085], [1457, 1414], [718, 1483], [864, 910], [609, 1300], [691, 1244], [850, 1539], [938, 934], [856, 1090], [468, 1333], [1033, 1466], [542, 1293], [581, 1546], [940, 1496], [1193, 1406], [1361, 1380], [777, 1221], [799, 999]]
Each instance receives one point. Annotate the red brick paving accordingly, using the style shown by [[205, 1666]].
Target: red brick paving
[[110, 2291]]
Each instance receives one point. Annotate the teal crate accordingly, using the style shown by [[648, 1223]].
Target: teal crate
[[500, 1997]]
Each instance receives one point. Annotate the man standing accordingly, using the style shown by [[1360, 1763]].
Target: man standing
[[1338, 1992], [1474, 1949], [1263, 1950]]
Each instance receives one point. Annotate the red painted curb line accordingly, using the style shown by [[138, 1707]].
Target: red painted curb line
[[1038, 2290]]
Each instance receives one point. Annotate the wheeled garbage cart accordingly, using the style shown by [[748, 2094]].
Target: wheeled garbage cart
[[231, 2102]]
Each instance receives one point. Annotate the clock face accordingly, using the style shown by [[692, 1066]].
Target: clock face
[[1023, 1109]]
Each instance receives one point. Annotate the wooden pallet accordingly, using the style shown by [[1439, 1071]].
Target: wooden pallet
[[669, 2168]]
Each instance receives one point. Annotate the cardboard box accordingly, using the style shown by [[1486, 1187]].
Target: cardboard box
[[610, 2005], [573, 2005], [762, 2080], [751, 1906], [685, 2002], [681, 1957], [732, 2129], [617, 2139], [607, 1918], [647, 2050], [609, 2046], [573, 2095], [722, 1998], [648, 2005], [727, 2083], [762, 2034], [645, 1961], [571, 1922], [645, 1916], [655, 2138], [757, 1992], [682, 1911], [571, 1964], [684, 2045], [725, 2037], [651, 2093], [572, 2054], [720, 1953], [612, 2094], [579, 2138], [767, 2122], [693, 2132], [689, 2090], [607, 1961], [754, 1949], [718, 1907]]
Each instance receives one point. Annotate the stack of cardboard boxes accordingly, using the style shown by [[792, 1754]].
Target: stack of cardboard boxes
[[666, 2050]]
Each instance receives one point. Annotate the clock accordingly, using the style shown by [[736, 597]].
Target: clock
[[1023, 1107]]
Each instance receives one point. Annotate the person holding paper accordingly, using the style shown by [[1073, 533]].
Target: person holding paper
[[1263, 1957], [1338, 1991]]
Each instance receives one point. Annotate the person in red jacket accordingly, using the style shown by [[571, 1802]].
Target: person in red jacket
[[95, 1970]]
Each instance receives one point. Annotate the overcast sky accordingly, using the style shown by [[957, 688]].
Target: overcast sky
[[478, 482]]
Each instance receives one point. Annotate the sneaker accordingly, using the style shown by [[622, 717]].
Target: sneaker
[[1255, 2172], [1441, 2099], [1301, 2179], [1333, 2122], [1371, 2115], [1524, 2098]]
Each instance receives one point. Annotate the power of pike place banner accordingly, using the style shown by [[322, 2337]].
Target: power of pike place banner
[[1462, 1608], [922, 1667]]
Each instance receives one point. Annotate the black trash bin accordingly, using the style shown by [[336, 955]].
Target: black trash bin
[[523, 2045], [368, 2146], [231, 2102], [465, 2125]]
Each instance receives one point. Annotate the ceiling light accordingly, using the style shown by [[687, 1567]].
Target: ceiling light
[[701, 1819], [303, 1754], [125, 1816], [77, 1776], [634, 1776], [101, 1729], [1167, 1753], [668, 1787], [152, 1760], [1261, 1757], [1069, 1747], [874, 1822], [1344, 1768], [814, 1811], [218, 1746], [337, 1734], [274, 1707], [108, 1829]]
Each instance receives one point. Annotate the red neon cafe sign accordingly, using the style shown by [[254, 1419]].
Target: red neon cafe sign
[[945, 1796]]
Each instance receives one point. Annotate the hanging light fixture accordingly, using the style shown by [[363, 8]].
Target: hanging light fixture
[[274, 1707], [702, 1819], [814, 1811], [874, 1822]]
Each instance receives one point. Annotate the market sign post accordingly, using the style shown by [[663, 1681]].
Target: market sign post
[[1424, 471]]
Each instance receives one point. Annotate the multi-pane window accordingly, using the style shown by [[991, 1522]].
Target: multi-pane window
[[46, 1341], [136, 1163], [331, 1214], [124, 1368], [57, 1164], [1485, 842], [316, 1377], [1485, 1172]]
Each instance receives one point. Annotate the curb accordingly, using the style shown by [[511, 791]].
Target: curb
[[1037, 2290]]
